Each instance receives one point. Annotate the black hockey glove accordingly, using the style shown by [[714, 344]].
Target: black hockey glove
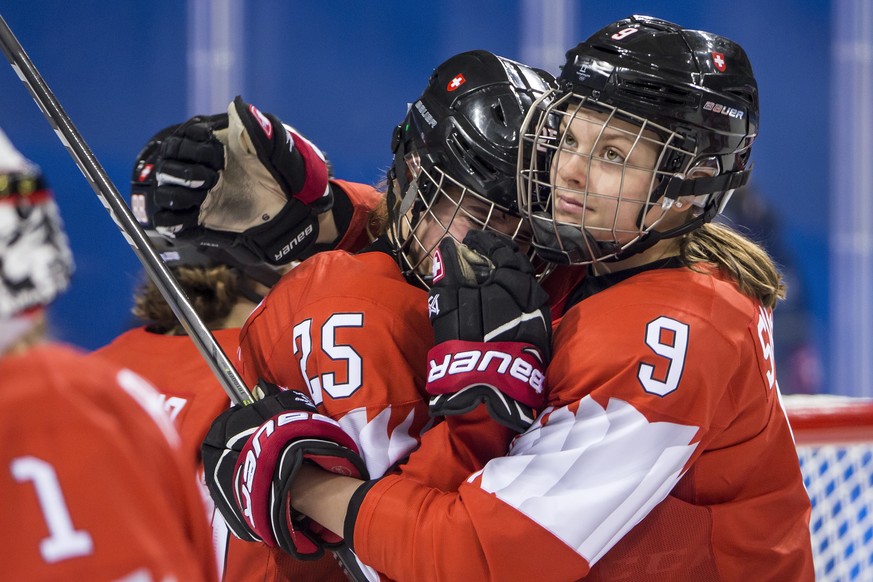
[[245, 181], [250, 457], [492, 330], [187, 167]]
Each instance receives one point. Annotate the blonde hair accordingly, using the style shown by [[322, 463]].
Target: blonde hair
[[212, 291], [743, 260], [379, 218]]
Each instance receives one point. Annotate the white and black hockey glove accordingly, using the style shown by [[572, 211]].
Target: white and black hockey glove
[[492, 331], [251, 455], [244, 179]]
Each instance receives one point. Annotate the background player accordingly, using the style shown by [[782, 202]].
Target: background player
[[93, 480]]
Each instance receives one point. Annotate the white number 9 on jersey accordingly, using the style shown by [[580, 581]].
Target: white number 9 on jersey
[[668, 338]]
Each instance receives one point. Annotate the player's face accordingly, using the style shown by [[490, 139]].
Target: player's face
[[454, 214], [602, 174]]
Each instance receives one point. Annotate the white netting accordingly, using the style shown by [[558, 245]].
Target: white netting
[[839, 478]]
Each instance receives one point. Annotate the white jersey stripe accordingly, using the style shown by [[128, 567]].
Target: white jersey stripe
[[606, 469], [379, 450]]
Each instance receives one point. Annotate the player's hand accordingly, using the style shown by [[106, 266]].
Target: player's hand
[[245, 179], [492, 330], [251, 455], [186, 167], [226, 437]]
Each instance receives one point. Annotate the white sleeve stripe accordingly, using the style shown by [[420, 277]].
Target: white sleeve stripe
[[590, 477], [379, 449]]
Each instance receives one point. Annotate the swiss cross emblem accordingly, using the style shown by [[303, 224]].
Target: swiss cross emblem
[[262, 121], [438, 271], [144, 172], [456, 82], [718, 61]]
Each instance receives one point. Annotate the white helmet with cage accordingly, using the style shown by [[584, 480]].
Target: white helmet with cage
[[36, 263]]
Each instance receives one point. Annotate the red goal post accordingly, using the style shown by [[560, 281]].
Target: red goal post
[[834, 437]]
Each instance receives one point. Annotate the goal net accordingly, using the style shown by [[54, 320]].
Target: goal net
[[834, 438]]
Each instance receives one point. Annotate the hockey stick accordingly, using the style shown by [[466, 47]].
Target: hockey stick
[[133, 233], [131, 230]]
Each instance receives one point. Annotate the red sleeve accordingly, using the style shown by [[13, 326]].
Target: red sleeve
[[652, 403], [473, 530], [480, 538], [93, 476], [455, 448]]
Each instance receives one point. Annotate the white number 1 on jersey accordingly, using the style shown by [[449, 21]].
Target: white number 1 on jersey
[[63, 541]]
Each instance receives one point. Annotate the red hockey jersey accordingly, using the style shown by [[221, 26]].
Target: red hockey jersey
[[663, 454], [94, 484], [350, 331]]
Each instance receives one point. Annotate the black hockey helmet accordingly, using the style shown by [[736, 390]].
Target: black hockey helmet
[[461, 134], [693, 89]]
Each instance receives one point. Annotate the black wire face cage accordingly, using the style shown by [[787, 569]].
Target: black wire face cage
[[435, 206], [582, 218]]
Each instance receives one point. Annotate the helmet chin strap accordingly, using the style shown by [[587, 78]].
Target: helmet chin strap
[[564, 244], [670, 192], [652, 237], [409, 197]]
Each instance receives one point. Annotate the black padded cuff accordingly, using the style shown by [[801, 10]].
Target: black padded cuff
[[352, 511], [343, 210], [287, 237]]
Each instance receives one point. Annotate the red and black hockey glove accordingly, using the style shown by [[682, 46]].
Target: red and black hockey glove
[[245, 181], [251, 455], [295, 163], [492, 330], [226, 437]]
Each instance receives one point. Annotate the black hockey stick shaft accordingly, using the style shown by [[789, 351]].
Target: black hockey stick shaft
[[135, 236], [133, 233]]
